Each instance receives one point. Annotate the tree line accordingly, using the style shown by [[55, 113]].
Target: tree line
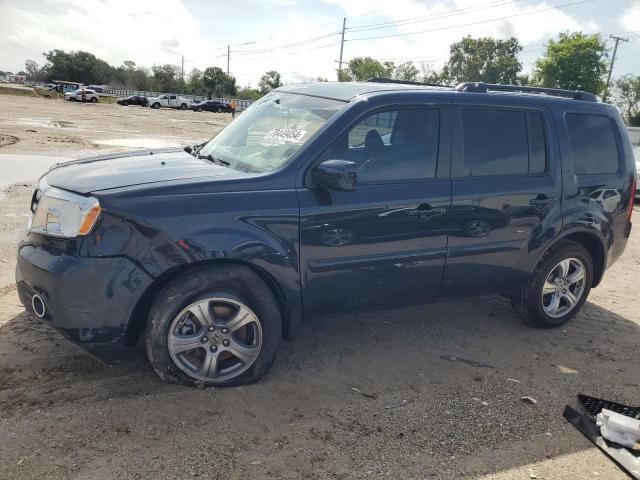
[[573, 61], [84, 67]]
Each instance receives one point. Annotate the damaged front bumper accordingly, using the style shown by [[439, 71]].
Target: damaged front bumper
[[90, 300]]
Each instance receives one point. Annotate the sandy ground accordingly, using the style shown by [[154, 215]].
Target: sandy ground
[[65, 415]]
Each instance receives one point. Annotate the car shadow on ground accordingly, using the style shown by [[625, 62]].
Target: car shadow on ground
[[421, 386]]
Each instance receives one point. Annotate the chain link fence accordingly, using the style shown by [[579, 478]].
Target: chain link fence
[[242, 104]]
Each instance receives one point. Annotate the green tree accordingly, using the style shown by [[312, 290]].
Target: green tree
[[269, 81], [483, 60], [165, 78], [361, 69], [406, 71], [82, 67], [627, 97], [344, 75], [218, 83], [195, 85], [575, 61], [429, 74], [129, 65], [524, 79], [32, 69]]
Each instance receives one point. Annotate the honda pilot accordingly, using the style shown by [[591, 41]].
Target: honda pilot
[[326, 198]]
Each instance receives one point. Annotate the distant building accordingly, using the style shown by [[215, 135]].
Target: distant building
[[15, 78]]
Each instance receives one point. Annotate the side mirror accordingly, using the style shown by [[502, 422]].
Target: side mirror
[[339, 175]]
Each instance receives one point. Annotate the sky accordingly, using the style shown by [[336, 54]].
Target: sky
[[299, 38]]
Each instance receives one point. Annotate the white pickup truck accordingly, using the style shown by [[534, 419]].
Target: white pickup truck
[[170, 101]]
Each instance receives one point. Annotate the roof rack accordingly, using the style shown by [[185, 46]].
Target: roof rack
[[481, 87], [405, 82]]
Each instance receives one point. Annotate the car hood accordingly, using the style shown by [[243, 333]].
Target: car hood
[[133, 168]]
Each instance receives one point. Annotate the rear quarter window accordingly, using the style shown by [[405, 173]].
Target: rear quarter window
[[593, 143]]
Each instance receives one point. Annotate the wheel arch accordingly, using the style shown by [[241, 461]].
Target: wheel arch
[[592, 243], [138, 319]]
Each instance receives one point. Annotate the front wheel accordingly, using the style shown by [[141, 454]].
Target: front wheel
[[155, 106], [199, 109], [558, 287], [94, 100], [214, 326]]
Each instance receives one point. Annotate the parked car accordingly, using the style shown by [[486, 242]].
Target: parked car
[[82, 95], [212, 106], [170, 101], [134, 100], [330, 197]]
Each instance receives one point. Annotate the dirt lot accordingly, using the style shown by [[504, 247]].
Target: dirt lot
[[65, 415]]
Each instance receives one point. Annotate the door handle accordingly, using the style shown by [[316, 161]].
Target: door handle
[[427, 211], [541, 201]]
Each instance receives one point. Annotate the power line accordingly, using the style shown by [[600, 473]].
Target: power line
[[437, 16], [289, 45], [471, 23]]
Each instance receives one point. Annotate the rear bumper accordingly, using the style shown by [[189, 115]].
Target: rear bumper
[[89, 300]]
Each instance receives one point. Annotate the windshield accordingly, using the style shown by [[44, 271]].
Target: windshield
[[270, 132]]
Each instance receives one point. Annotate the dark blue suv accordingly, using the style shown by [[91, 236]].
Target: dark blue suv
[[330, 197]]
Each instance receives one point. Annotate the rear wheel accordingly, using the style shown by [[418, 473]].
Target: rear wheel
[[125, 104], [214, 326], [94, 100], [199, 109], [559, 286], [183, 106]]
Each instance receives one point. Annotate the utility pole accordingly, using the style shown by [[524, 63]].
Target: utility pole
[[613, 59], [228, 58], [344, 25]]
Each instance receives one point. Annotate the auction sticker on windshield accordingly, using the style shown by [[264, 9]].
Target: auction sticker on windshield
[[286, 134]]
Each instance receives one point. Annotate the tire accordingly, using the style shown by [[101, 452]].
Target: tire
[[220, 110], [183, 106], [155, 106], [125, 104], [94, 100], [533, 306], [222, 287], [199, 109]]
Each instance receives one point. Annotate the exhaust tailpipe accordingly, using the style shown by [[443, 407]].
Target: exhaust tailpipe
[[38, 305]]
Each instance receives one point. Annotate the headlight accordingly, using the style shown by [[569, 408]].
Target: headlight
[[64, 214]]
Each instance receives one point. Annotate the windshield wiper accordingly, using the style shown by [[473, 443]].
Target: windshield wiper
[[193, 149], [216, 160]]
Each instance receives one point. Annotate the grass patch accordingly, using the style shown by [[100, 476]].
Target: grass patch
[[11, 90]]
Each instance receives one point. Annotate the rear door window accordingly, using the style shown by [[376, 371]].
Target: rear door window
[[503, 142], [593, 144]]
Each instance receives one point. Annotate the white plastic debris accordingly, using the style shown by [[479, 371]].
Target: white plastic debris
[[619, 428]]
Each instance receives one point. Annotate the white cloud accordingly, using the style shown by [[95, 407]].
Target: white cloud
[[631, 18], [150, 31], [144, 31]]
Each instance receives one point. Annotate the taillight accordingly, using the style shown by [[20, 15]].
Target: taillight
[[631, 200]]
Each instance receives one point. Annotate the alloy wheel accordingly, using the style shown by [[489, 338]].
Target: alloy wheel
[[215, 339], [563, 288]]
